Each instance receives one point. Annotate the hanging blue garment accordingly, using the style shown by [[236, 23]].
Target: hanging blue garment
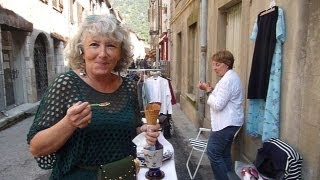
[[263, 117]]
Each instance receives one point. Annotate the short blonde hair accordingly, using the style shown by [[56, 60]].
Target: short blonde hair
[[105, 25], [224, 56]]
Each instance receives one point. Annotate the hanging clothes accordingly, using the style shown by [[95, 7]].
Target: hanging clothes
[[156, 89], [139, 90], [173, 97], [262, 56], [264, 114]]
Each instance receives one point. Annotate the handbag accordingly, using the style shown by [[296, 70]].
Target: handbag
[[122, 169]]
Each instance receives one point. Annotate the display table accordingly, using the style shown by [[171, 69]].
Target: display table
[[168, 166]]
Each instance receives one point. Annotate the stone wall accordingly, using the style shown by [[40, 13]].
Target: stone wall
[[300, 99]]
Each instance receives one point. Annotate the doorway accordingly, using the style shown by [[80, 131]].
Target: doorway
[[40, 64], [10, 74]]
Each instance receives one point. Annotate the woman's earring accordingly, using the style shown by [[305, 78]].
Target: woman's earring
[[80, 50], [82, 72]]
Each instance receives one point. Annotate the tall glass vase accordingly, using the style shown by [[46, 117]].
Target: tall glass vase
[[153, 154]]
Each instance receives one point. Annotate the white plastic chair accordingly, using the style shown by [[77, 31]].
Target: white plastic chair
[[198, 144]]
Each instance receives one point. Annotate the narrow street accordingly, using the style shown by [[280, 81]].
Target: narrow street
[[16, 163], [181, 155]]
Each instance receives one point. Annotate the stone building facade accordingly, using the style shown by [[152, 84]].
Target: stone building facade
[[229, 26], [33, 36]]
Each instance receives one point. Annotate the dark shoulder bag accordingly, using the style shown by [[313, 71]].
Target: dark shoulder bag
[[122, 169]]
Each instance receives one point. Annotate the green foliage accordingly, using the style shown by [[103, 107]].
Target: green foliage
[[135, 15]]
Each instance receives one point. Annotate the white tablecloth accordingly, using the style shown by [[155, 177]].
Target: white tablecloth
[[168, 167]]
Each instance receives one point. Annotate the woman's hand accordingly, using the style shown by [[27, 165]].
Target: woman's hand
[[152, 133], [205, 86], [79, 115], [52, 139]]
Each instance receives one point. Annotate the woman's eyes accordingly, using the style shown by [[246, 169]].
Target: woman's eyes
[[94, 44], [107, 45], [111, 45]]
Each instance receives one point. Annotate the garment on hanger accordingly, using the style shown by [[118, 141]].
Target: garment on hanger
[[155, 74], [264, 114], [173, 97], [262, 56], [139, 91], [156, 89], [272, 8], [139, 76]]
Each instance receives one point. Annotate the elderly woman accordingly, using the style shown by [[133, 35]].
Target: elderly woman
[[225, 101], [89, 115]]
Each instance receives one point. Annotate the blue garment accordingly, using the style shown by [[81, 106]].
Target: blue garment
[[219, 151], [264, 116]]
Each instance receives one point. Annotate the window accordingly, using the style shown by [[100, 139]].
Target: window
[[233, 33], [192, 58], [71, 11], [80, 10], [44, 1], [164, 9], [57, 5], [178, 64]]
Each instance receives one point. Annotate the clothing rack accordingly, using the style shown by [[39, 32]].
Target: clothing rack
[[143, 69]]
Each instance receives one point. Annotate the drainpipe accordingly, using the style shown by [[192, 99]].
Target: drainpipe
[[159, 28], [203, 56]]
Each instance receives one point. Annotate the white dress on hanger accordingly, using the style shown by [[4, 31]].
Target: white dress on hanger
[[157, 90]]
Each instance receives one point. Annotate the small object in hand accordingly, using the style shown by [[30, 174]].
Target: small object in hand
[[100, 104]]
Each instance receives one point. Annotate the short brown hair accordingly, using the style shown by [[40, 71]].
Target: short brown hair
[[224, 56]]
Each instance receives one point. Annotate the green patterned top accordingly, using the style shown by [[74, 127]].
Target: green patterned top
[[106, 139]]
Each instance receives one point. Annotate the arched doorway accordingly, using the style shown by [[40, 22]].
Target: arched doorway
[[40, 64], [10, 72]]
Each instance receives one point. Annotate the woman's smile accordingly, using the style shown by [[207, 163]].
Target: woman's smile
[[101, 54]]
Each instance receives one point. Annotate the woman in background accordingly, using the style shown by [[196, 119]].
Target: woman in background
[[227, 116]]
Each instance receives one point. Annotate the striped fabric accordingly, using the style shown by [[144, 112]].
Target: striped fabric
[[293, 169], [199, 144]]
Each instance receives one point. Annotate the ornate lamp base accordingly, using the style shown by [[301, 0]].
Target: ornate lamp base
[[154, 174]]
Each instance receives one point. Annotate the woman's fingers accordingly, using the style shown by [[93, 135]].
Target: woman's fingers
[[85, 121], [79, 107], [151, 140], [153, 128], [199, 84], [203, 85], [79, 114], [152, 133]]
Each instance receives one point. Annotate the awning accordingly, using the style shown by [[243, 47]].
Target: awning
[[152, 53], [163, 37], [9, 20], [58, 36]]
